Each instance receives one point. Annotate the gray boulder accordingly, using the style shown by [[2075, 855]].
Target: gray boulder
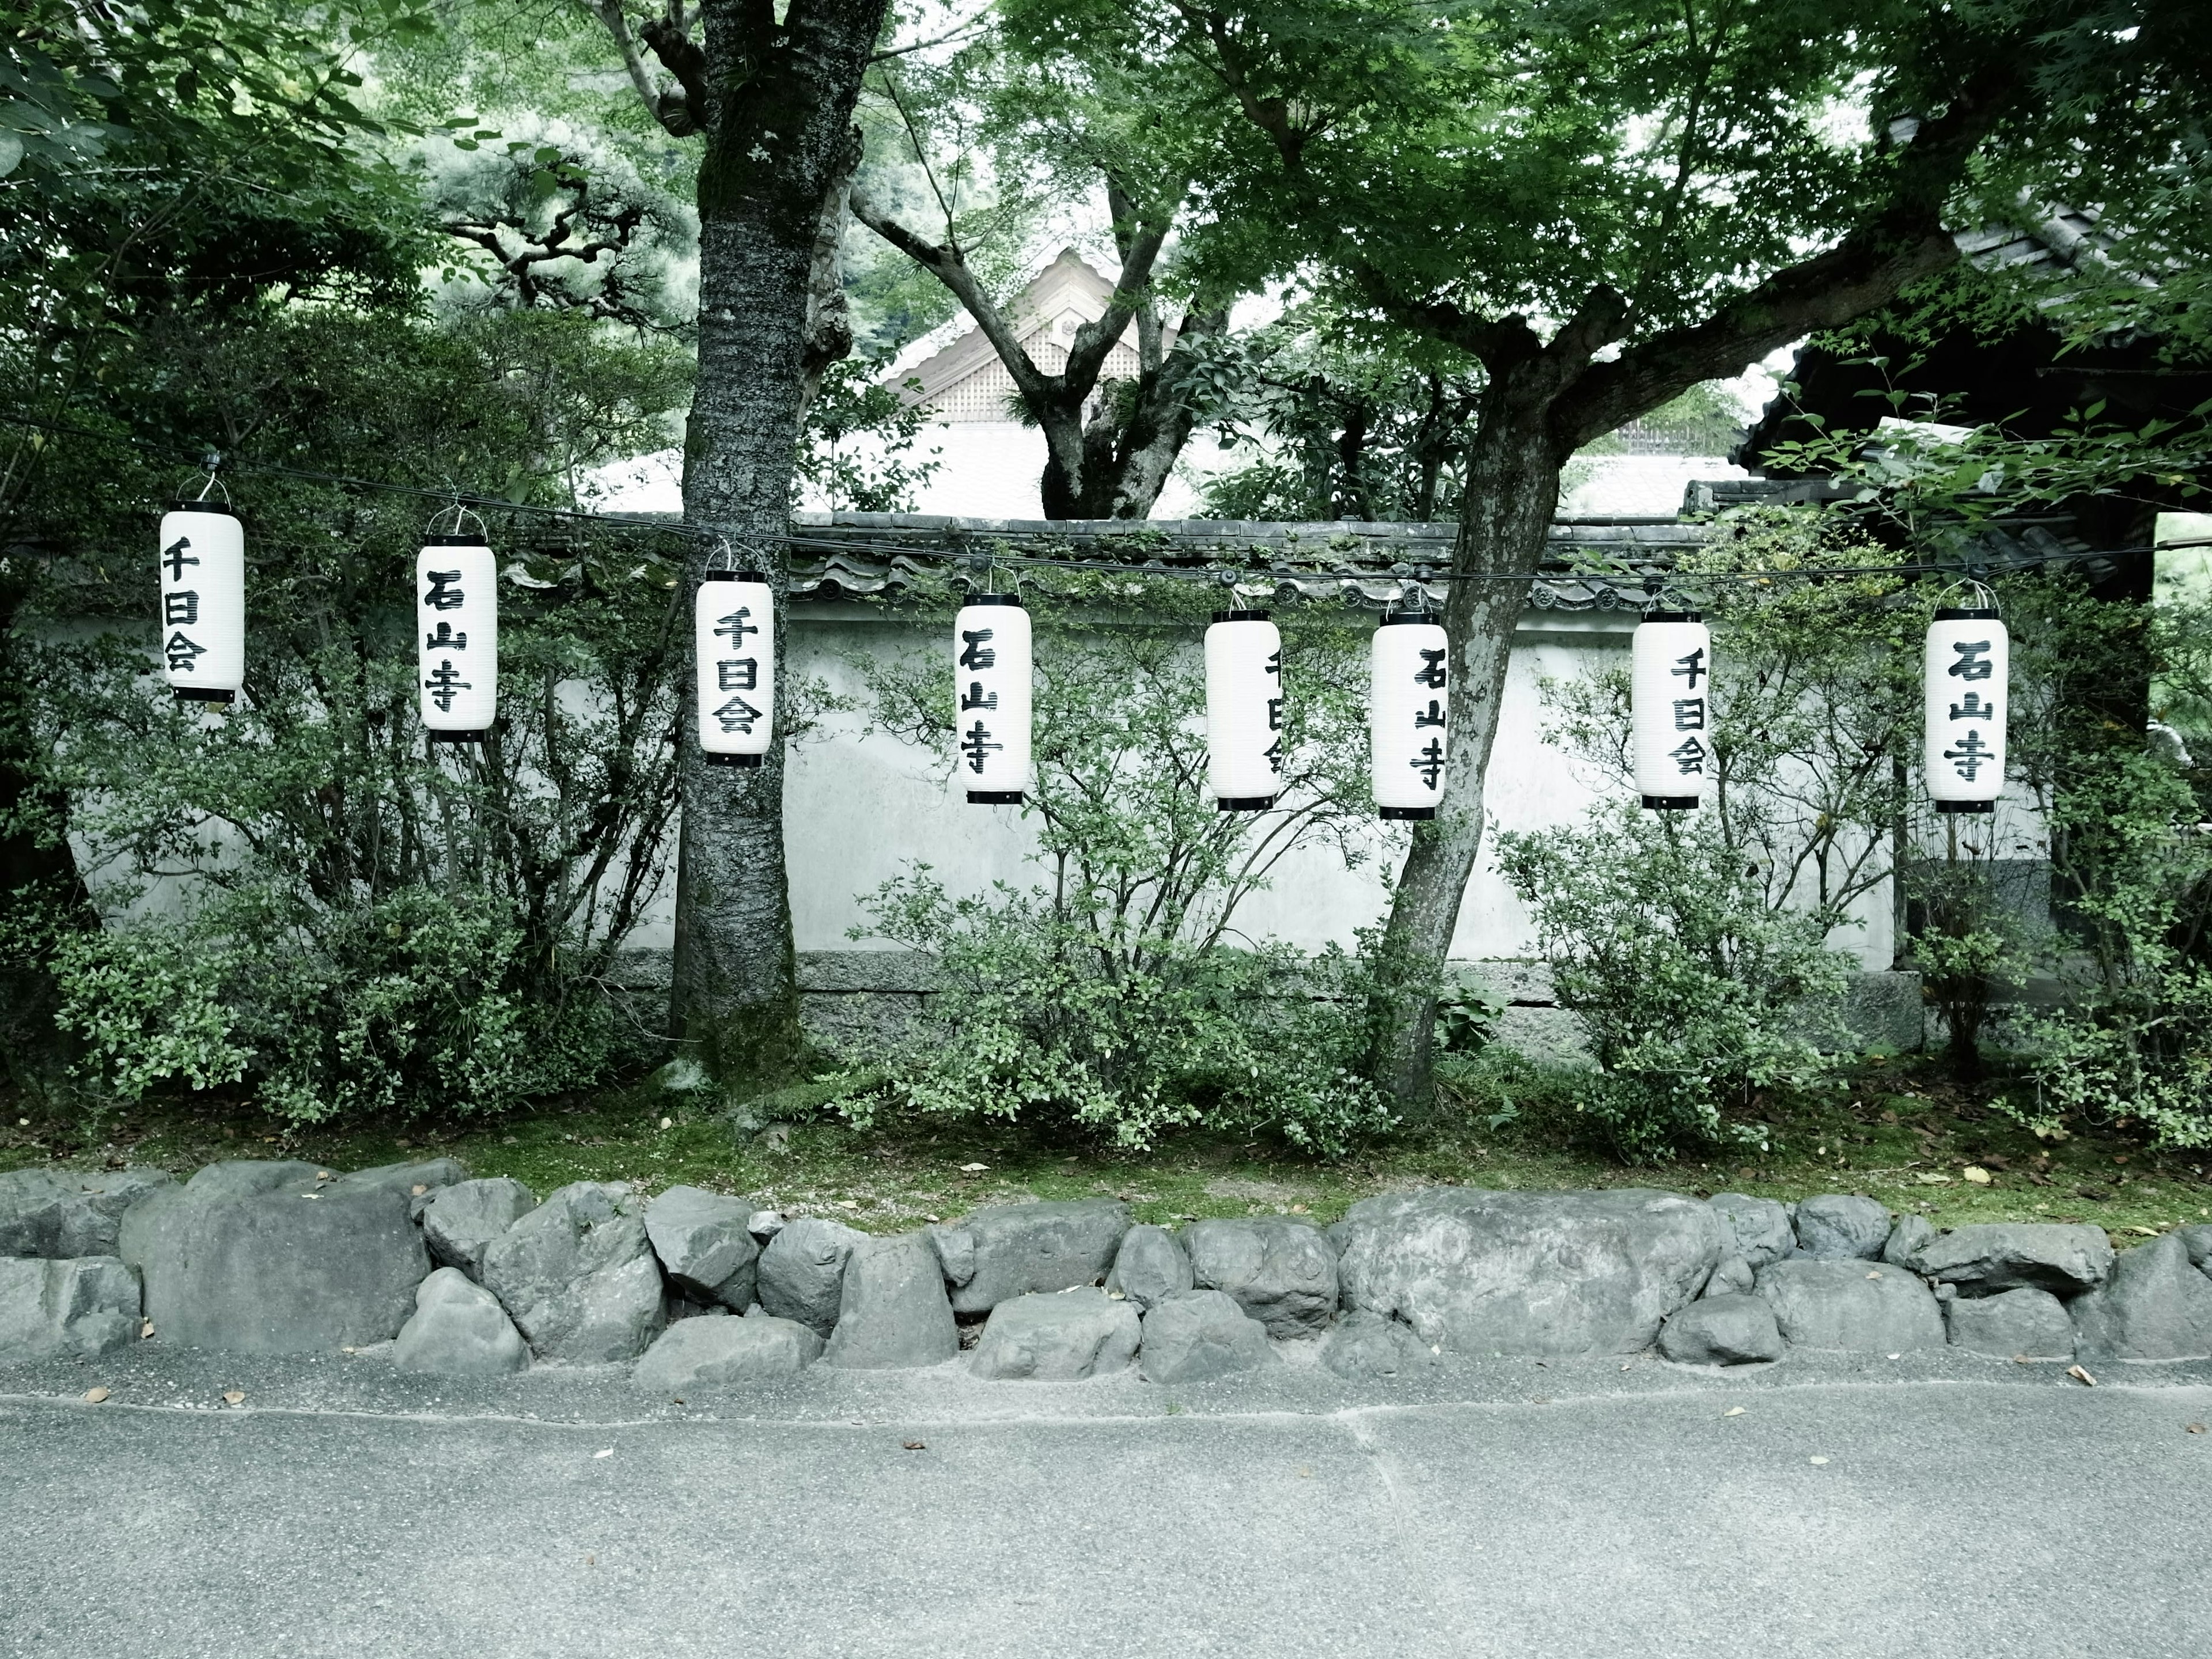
[[1059, 1337], [579, 1276], [458, 1330], [1992, 1256], [66, 1308], [264, 1258], [1538, 1274], [68, 1212], [1150, 1268], [1722, 1330], [2198, 1241], [461, 1220], [1015, 1250], [705, 1240], [1838, 1227], [416, 1180], [2023, 1324], [2153, 1305], [1282, 1272], [1761, 1225], [893, 1310], [1734, 1277], [1850, 1305], [1199, 1335], [707, 1352], [1363, 1346], [1911, 1234], [802, 1272]]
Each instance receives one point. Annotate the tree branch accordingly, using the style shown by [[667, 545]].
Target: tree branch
[[674, 110], [1140, 236]]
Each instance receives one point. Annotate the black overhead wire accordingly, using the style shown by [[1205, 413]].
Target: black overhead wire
[[1216, 571]]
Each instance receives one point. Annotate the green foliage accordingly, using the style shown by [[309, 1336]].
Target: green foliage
[[1120, 997], [1694, 990], [878, 473]]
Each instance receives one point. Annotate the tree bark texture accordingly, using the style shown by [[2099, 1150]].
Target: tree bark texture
[[776, 103]]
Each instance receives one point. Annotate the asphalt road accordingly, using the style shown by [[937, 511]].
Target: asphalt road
[[1950, 1519]]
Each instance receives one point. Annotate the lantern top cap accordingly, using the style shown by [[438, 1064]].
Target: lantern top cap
[[1961, 613], [760, 576], [456, 541], [993, 598], [1240, 616], [1674, 616], [1394, 616], [223, 507]]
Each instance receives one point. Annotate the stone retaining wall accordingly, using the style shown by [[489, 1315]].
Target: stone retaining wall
[[460, 1277]]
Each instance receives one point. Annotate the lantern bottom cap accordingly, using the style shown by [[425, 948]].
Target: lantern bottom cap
[[1243, 802], [1965, 807], [458, 736], [1671, 802], [1415, 813], [713, 759], [202, 693], [996, 797]]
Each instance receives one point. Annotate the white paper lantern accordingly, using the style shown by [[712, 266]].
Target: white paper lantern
[[1670, 709], [1965, 690], [734, 628], [1408, 697], [1243, 710], [457, 637], [991, 699], [203, 601]]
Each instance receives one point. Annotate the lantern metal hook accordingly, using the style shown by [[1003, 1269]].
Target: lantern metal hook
[[458, 512], [722, 556], [213, 462], [1981, 595]]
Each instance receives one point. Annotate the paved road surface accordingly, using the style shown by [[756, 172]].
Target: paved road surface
[[1952, 1519]]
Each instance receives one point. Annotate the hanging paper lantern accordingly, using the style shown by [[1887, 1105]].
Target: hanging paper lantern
[[1243, 710], [1670, 680], [991, 698], [734, 628], [203, 601], [1964, 681], [456, 631], [1407, 699]]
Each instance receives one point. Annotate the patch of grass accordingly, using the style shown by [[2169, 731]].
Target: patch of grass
[[1504, 1122]]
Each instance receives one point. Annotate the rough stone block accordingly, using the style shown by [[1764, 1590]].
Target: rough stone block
[[1150, 1266], [2153, 1305], [1015, 1250], [264, 1258], [716, 1351], [1911, 1234], [1851, 1305], [1722, 1330], [893, 1311], [1282, 1272], [1200, 1335], [1362, 1345], [2022, 1324], [1760, 1226], [68, 1212], [461, 1220], [1988, 1257], [66, 1308], [705, 1240], [459, 1329], [801, 1273], [1062, 1337], [1734, 1277], [1842, 1227], [579, 1276], [1537, 1273]]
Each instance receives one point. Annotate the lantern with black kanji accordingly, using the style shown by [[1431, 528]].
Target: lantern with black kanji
[[733, 621], [1243, 710], [457, 637], [1965, 692], [1670, 709], [1408, 694], [991, 699], [202, 568]]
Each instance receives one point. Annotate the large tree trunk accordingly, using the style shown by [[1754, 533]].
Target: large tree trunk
[[779, 140], [1512, 489]]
